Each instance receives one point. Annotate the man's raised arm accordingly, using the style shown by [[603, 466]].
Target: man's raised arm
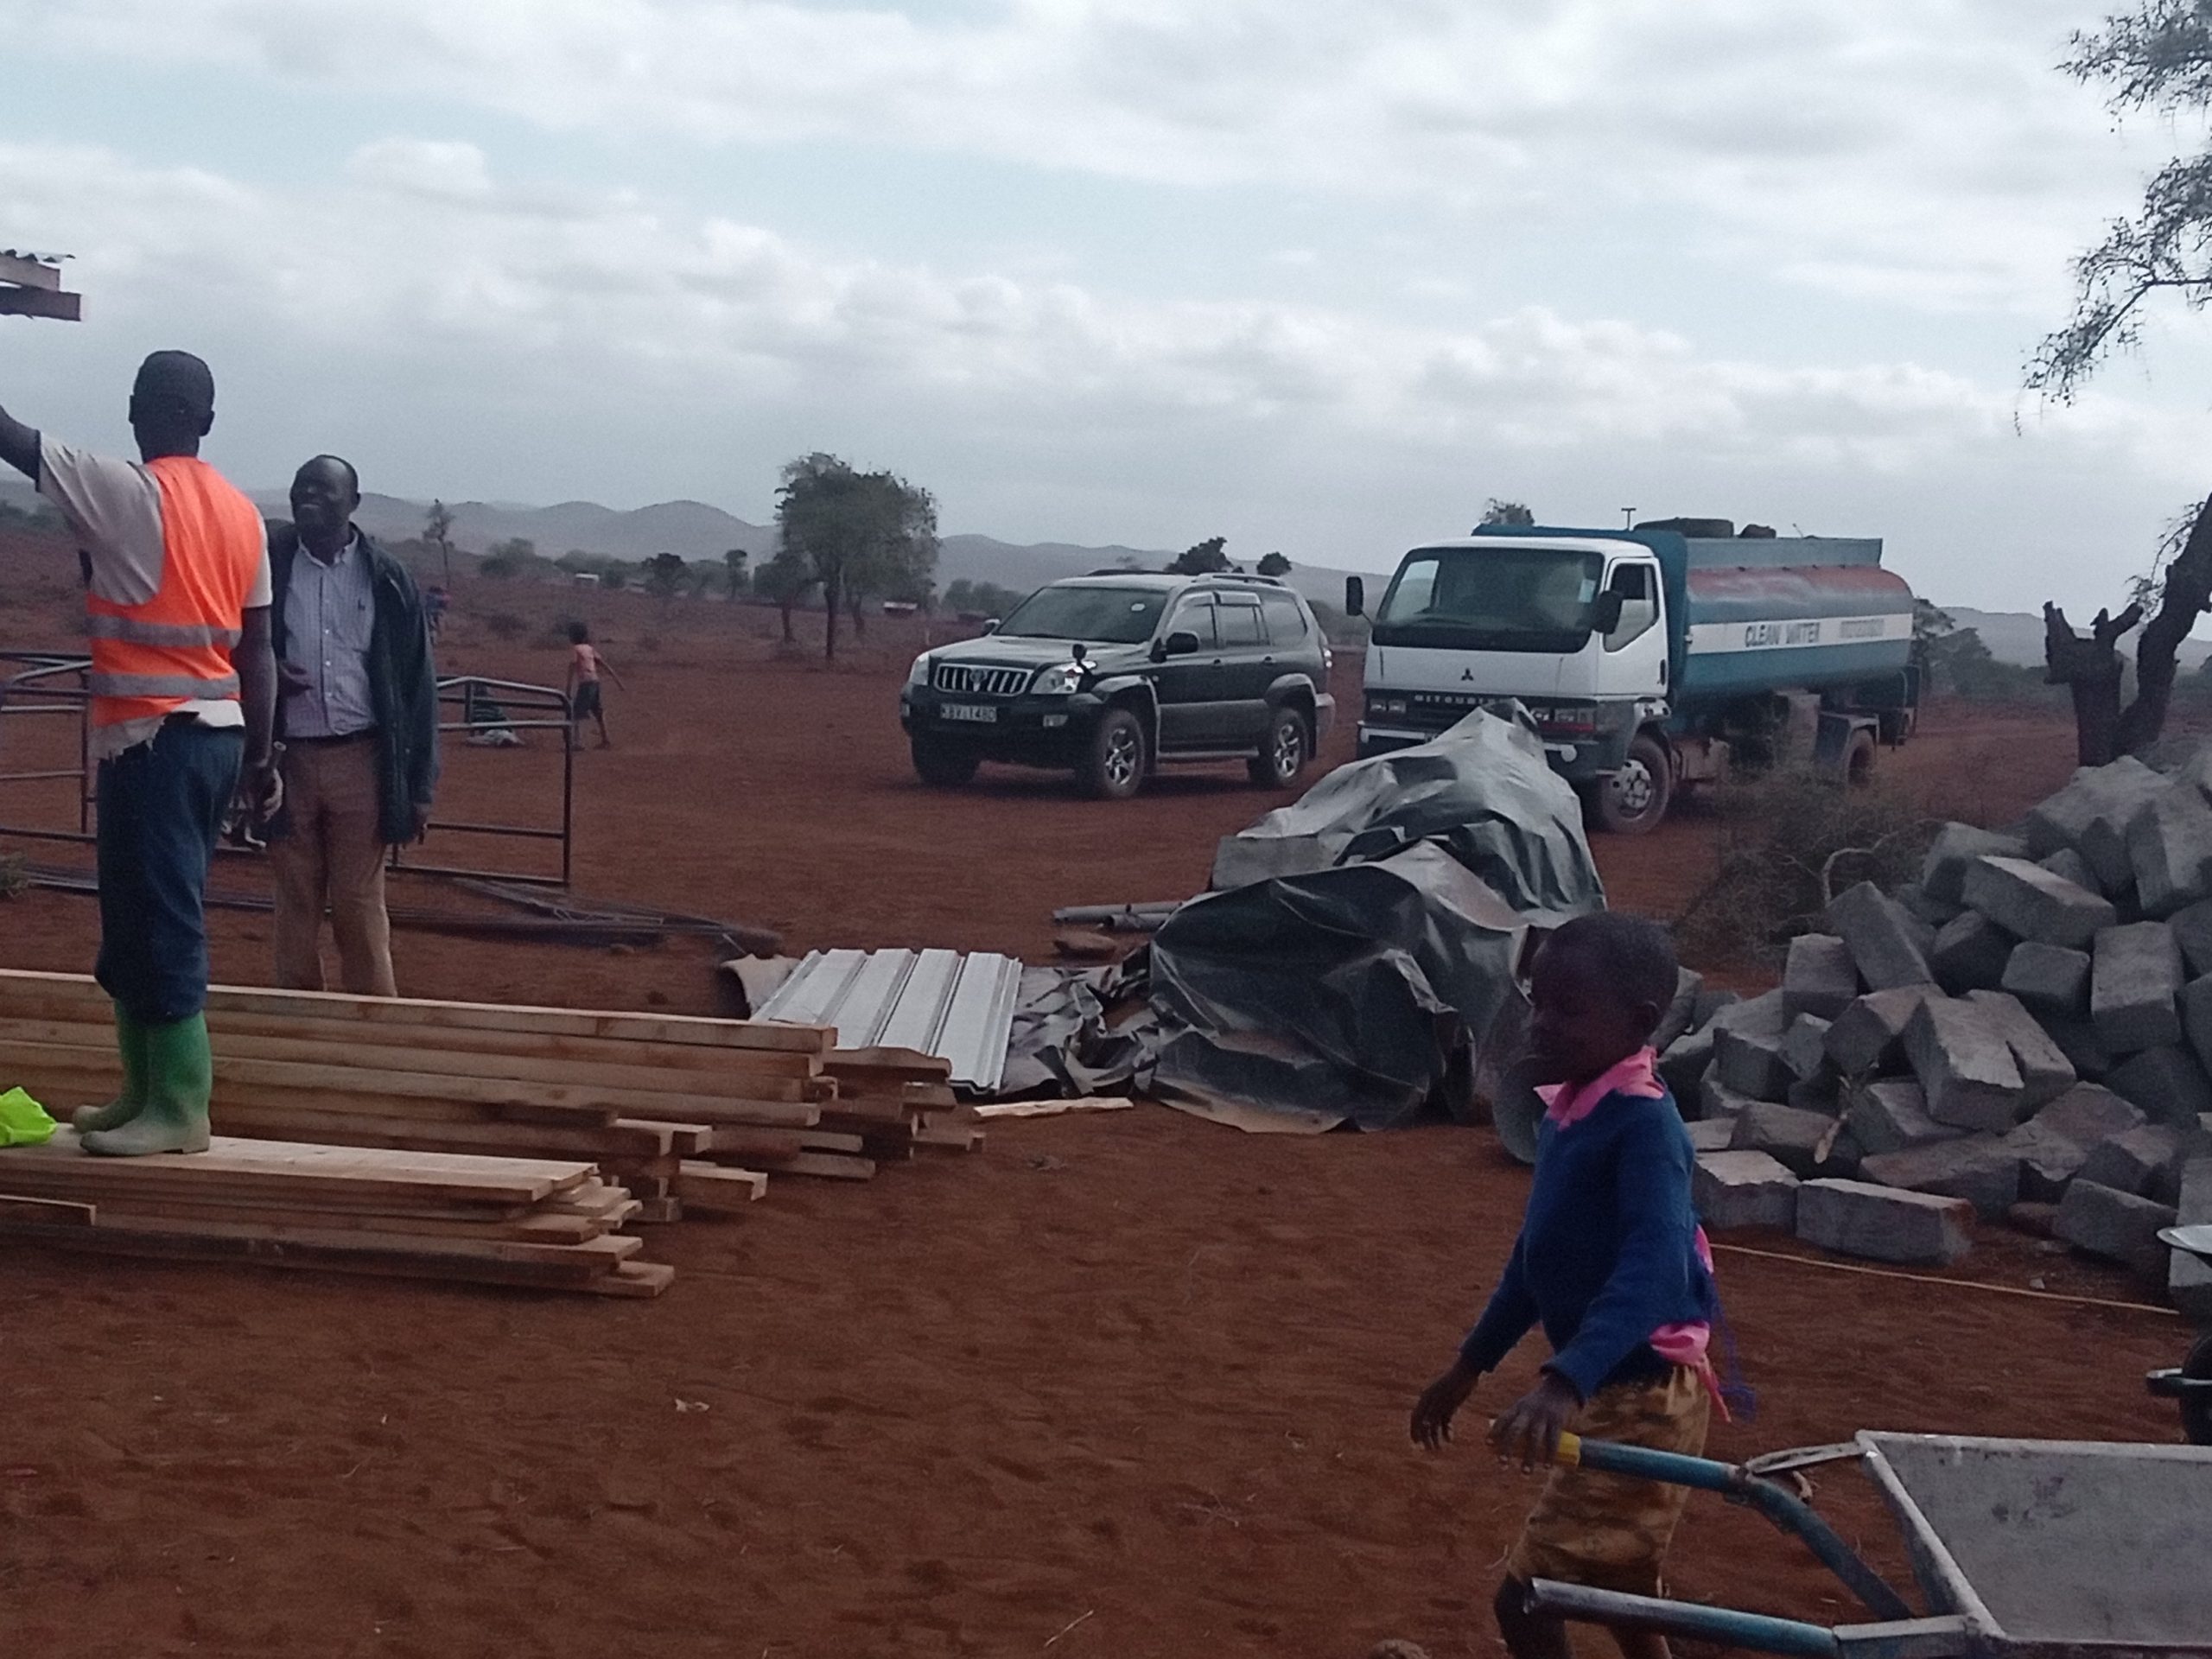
[[19, 445]]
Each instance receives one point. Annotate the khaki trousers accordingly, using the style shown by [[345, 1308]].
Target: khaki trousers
[[332, 859]]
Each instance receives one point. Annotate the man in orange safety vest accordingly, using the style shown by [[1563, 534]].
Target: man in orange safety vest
[[183, 691]]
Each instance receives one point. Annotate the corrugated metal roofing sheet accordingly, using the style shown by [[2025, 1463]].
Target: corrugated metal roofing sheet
[[957, 1006]]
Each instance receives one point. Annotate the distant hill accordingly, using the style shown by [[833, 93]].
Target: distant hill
[[2015, 637]]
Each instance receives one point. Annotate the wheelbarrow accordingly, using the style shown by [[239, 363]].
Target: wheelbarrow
[[2190, 1381], [2022, 1549]]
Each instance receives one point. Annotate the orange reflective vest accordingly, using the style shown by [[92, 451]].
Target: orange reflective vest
[[150, 660]]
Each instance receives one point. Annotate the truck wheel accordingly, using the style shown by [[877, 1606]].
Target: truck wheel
[[942, 765], [1113, 766], [1858, 760], [1633, 800], [1283, 751]]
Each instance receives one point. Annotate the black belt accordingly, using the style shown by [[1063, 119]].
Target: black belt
[[330, 742]]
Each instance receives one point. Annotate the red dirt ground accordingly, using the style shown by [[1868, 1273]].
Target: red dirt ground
[[1132, 1385]]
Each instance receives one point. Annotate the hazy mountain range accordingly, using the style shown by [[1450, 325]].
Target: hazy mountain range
[[699, 532]]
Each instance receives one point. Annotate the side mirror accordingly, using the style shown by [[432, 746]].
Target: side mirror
[[1181, 643], [1355, 596], [991, 626], [1605, 615]]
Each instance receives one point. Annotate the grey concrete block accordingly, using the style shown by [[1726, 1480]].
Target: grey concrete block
[[1763, 1013], [2192, 927], [2134, 983], [1885, 941], [2051, 981], [2093, 814], [2033, 904], [1742, 1189], [2077, 1041], [2146, 1162], [2169, 848], [1970, 953], [1682, 1013], [1891, 1114], [1944, 872], [1684, 1062], [1711, 999], [2117, 1226], [1923, 907], [1822, 1093], [1820, 976], [1717, 1100], [1964, 1064], [1801, 1141], [2054, 1144], [1753, 1063], [1804, 1046], [2196, 1018], [2045, 1072], [1869, 1034], [1979, 1168], [2167, 1083], [1711, 1133], [2069, 865], [1882, 1224], [2189, 1281]]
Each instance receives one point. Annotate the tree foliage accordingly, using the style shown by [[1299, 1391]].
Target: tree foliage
[[965, 598], [1273, 564], [2157, 58], [733, 564], [1497, 511], [862, 534], [1202, 558], [512, 557], [666, 575], [785, 580], [437, 531]]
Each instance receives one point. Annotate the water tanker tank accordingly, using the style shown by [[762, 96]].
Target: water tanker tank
[[1789, 614]]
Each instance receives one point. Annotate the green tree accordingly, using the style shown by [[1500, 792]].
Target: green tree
[[734, 563], [1202, 558], [1273, 564], [509, 558], [1497, 511], [2156, 59], [862, 534], [784, 580], [666, 574], [437, 531]]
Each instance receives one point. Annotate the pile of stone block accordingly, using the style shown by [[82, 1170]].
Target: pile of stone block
[[2023, 1034]]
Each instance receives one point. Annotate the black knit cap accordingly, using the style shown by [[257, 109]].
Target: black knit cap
[[178, 380]]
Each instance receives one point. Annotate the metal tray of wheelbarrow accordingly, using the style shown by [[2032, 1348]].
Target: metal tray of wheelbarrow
[[2051, 1548]]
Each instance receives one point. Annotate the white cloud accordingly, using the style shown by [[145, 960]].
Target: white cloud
[[1922, 155], [537, 344]]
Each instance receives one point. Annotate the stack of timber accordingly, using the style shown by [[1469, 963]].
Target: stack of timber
[[499, 1221], [644, 1097]]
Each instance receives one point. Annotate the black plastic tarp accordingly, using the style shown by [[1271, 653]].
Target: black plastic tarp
[[1484, 788]]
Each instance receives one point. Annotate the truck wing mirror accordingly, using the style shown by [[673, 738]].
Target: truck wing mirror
[[1181, 643], [1605, 614], [991, 626], [1355, 596]]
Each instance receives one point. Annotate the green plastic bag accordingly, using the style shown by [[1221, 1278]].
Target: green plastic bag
[[23, 1121]]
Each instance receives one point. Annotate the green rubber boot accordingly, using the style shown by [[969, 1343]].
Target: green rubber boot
[[131, 1043], [180, 1077]]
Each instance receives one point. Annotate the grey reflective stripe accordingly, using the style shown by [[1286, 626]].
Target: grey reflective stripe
[[158, 633], [193, 690]]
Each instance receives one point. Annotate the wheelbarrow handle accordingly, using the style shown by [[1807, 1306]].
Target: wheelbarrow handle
[[1782, 1507], [1943, 1637]]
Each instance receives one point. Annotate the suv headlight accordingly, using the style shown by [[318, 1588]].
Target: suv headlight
[[1386, 708], [919, 673], [1061, 680]]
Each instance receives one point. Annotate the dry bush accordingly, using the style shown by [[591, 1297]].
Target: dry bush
[[1789, 842], [503, 625]]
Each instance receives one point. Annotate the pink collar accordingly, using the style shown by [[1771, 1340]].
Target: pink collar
[[1638, 1075]]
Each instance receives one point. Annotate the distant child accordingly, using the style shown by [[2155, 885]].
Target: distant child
[[585, 666], [1611, 1262]]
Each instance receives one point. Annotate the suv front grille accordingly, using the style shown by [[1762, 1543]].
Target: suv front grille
[[970, 680]]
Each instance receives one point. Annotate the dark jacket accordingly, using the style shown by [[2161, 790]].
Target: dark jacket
[[403, 682]]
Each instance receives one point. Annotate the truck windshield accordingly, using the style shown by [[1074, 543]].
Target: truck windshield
[[1530, 599], [1110, 616]]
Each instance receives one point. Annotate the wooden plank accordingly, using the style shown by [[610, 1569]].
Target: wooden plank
[[487, 1016], [579, 1259], [950, 1137], [717, 1185], [38, 302], [814, 1140], [47, 1213], [542, 1227], [741, 1142], [643, 1280], [829, 1165], [241, 1165], [595, 1144], [29, 273]]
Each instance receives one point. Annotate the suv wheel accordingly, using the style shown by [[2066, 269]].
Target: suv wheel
[[1113, 766], [942, 765], [1633, 800], [1283, 751]]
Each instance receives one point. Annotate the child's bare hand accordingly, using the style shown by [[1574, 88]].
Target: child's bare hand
[[1529, 1428], [1439, 1403]]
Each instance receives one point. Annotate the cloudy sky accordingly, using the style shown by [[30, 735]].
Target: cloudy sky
[[1316, 275]]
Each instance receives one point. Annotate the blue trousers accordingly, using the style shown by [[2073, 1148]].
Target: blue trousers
[[161, 805]]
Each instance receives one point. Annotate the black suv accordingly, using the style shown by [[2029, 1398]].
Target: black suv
[[1107, 675]]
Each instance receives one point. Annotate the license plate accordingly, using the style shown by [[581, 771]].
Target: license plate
[[983, 713]]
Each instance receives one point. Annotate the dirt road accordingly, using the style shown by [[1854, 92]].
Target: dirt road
[[1127, 1387]]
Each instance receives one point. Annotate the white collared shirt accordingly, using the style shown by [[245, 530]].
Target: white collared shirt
[[330, 611]]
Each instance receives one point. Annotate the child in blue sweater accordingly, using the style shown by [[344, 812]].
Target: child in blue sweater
[[1612, 1263]]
